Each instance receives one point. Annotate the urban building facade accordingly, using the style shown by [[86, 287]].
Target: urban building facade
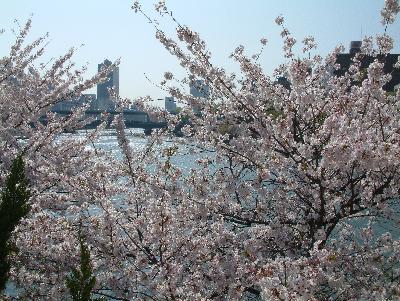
[[69, 104], [104, 99], [389, 60], [199, 90], [170, 104]]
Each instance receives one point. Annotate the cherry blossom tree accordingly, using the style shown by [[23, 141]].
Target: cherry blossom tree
[[297, 195], [294, 193], [58, 169]]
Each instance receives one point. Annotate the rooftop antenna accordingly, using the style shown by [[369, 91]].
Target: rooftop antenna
[[361, 37]]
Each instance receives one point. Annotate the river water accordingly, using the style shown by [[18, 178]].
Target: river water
[[184, 158]]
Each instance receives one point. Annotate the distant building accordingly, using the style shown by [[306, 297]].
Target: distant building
[[104, 99], [284, 82], [135, 116], [69, 104], [66, 105], [199, 89], [131, 108], [170, 104], [345, 60], [89, 99]]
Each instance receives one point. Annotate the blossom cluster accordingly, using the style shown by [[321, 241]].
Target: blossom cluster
[[293, 192]]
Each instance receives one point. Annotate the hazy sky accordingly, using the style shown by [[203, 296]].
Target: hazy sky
[[110, 29]]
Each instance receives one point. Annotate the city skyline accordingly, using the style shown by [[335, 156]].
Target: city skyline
[[115, 31]]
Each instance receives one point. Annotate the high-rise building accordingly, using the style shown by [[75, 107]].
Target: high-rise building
[[104, 99], [170, 104], [389, 60], [199, 90]]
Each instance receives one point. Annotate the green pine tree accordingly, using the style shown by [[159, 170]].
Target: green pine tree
[[81, 282], [13, 207]]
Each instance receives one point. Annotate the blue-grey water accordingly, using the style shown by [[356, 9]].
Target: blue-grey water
[[185, 156]]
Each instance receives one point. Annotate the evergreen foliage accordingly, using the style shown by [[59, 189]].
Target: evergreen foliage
[[13, 207], [81, 282]]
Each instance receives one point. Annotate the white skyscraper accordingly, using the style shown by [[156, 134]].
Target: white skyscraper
[[199, 90], [170, 104], [104, 101]]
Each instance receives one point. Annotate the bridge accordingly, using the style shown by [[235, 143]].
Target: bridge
[[132, 119]]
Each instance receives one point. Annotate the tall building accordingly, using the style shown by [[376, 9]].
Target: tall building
[[104, 100], [199, 90], [170, 104], [345, 60]]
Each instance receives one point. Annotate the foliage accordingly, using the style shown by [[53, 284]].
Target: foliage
[[81, 282], [14, 206]]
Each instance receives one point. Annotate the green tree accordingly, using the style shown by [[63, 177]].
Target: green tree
[[81, 282], [13, 207]]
